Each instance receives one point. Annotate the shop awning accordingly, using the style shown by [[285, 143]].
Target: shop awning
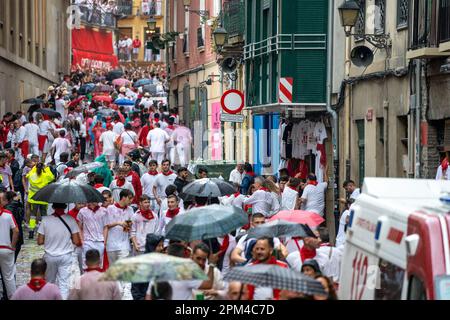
[[299, 108], [93, 49]]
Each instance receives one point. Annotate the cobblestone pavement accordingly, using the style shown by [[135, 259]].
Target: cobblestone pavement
[[30, 251]]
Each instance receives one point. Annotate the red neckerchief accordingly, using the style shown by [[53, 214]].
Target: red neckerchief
[[119, 206], [147, 214], [172, 213], [251, 173], [237, 194], [36, 284], [293, 188], [171, 127], [74, 213], [59, 212], [168, 173], [98, 185], [224, 247], [263, 189], [313, 183], [306, 253], [10, 161], [153, 173], [120, 182], [94, 269], [95, 209], [444, 164], [251, 289]]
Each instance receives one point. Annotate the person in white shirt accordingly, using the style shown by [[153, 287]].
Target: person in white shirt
[[129, 142], [61, 145], [313, 196], [173, 209], [144, 222], [59, 238], [60, 106], [20, 142], [148, 180], [236, 199], [351, 189], [261, 199], [118, 224], [107, 142], [118, 127], [8, 244], [91, 220], [237, 174], [343, 221], [157, 139], [147, 102], [120, 183], [182, 138], [32, 133], [289, 197], [165, 178]]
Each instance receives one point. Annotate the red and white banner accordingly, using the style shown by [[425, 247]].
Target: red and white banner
[[286, 85]]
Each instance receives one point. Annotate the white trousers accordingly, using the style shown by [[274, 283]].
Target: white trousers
[[95, 245], [78, 253], [158, 156], [113, 256], [34, 147], [59, 272], [181, 151], [8, 270]]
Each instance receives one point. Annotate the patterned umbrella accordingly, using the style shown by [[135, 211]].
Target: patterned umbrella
[[276, 277], [312, 219], [206, 223], [142, 82], [209, 187], [68, 191], [84, 168], [155, 267], [121, 82], [107, 99], [280, 228]]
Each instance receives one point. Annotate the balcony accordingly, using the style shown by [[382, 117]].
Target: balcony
[[234, 20], [125, 7], [444, 25], [424, 36], [152, 8], [96, 16]]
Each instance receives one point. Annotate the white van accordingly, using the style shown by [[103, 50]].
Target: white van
[[397, 243]]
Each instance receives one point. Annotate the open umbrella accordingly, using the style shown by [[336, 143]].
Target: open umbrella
[[206, 223], [209, 187], [102, 88], [86, 88], [280, 228], [150, 88], [49, 112], [76, 101], [68, 191], [155, 267], [121, 82], [33, 101], [276, 277], [142, 82], [107, 99], [124, 102], [84, 168], [115, 74], [312, 219]]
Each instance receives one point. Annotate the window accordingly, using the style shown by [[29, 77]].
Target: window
[[422, 30], [391, 281], [380, 16], [201, 30], [22, 29], [360, 27], [361, 150], [186, 34], [444, 21], [12, 30], [29, 30], [2, 22], [200, 39], [402, 13], [217, 7]]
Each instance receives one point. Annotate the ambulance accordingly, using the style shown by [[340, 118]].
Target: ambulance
[[397, 242]]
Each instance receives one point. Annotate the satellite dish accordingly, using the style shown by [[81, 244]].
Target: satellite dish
[[229, 65], [361, 56], [158, 43]]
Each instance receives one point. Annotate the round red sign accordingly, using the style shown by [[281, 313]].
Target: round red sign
[[233, 101]]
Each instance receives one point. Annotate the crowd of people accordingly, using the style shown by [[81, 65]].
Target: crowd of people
[[141, 153]]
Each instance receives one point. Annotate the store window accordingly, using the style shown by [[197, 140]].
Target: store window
[[391, 281], [416, 289]]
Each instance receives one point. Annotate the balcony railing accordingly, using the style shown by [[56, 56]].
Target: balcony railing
[[444, 21], [423, 25], [152, 8], [95, 15], [125, 7], [234, 17]]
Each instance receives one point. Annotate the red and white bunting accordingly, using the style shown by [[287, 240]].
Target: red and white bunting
[[286, 85]]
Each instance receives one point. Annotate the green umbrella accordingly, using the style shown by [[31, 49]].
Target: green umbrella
[[155, 267]]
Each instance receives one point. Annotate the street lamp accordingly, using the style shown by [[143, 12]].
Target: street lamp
[[151, 23], [220, 37], [349, 12], [204, 14]]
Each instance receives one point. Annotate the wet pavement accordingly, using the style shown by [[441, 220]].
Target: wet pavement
[[30, 251]]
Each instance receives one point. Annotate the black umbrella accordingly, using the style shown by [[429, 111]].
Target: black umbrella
[[86, 88], [84, 168], [68, 191], [33, 101], [273, 276], [115, 74], [49, 112], [209, 187], [33, 108], [280, 228]]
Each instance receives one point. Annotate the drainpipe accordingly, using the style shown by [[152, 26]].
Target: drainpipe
[[418, 101], [334, 125]]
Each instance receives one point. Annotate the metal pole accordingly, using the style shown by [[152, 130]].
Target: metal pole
[[417, 114]]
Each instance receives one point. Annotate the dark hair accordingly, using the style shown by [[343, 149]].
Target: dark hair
[[347, 182], [39, 168], [10, 195], [11, 152], [294, 182], [161, 291], [172, 196], [324, 234], [99, 179], [128, 126], [312, 177], [257, 215], [128, 162], [170, 189], [269, 241], [62, 133], [171, 120], [59, 206], [92, 257], [151, 242], [182, 169], [3, 155], [201, 200], [64, 157], [165, 161], [144, 197], [202, 247], [331, 291], [107, 192], [284, 178], [248, 167], [176, 250], [125, 193], [153, 162], [38, 267], [202, 170]]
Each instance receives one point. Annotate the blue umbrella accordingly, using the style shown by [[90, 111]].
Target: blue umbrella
[[206, 223], [86, 88], [124, 102], [142, 82]]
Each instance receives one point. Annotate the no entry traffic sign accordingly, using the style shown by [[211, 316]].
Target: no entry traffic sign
[[232, 101]]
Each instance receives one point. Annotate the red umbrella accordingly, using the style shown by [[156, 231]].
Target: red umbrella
[[77, 101], [312, 219], [107, 99]]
